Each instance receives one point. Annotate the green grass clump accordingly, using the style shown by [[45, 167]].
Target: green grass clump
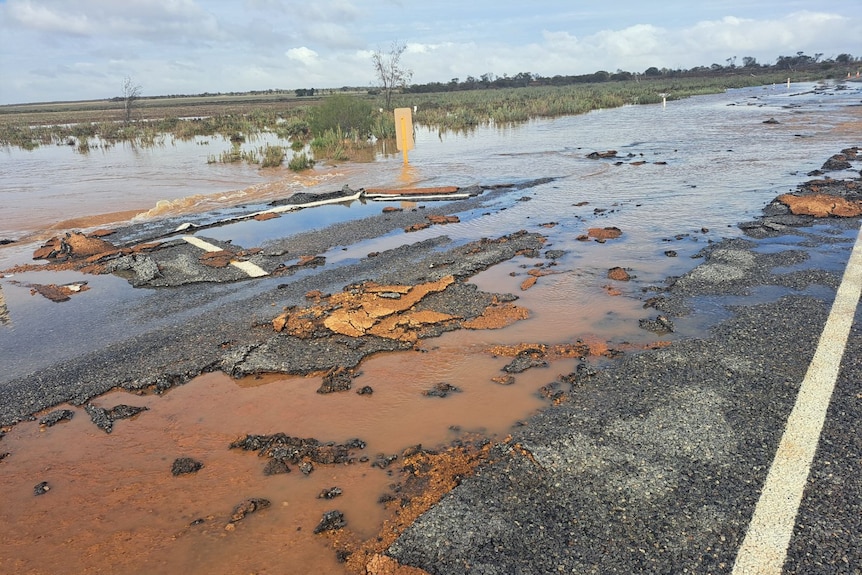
[[344, 126], [296, 131], [273, 156], [344, 114], [300, 162], [332, 144]]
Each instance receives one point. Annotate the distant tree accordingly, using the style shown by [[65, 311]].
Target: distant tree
[[652, 71], [523, 78], [793, 62], [391, 74], [844, 58], [131, 93], [749, 62]]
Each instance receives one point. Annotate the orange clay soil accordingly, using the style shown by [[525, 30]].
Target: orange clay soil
[[56, 292], [821, 205], [427, 477], [79, 252], [386, 311], [604, 233], [584, 347]]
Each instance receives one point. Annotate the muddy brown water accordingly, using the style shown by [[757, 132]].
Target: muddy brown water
[[113, 505]]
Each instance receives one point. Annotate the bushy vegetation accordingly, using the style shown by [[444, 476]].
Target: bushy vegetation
[[347, 126], [273, 156], [464, 110], [343, 113], [300, 162], [799, 63]]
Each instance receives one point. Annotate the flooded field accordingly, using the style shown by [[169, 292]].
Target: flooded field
[[683, 176]]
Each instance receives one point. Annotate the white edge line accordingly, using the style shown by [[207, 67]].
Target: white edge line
[[764, 548], [291, 207], [253, 270], [385, 198]]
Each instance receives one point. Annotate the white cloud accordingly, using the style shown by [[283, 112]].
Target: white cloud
[[45, 19], [328, 11], [306, 56], [332, 35], [109, 18], [64, 49]]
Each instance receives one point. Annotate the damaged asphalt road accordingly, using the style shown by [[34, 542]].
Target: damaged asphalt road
[[655, 465], [235, 334]]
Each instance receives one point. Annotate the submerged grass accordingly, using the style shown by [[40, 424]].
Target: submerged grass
[[344, 128], [464, 110], [272, 156], [300, 162]]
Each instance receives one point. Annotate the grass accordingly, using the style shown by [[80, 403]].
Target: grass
[[272, 156], [341, 127], [464, 110], [300, 162]]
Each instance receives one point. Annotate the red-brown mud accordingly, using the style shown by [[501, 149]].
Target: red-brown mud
[[821, 205], [114, 501]]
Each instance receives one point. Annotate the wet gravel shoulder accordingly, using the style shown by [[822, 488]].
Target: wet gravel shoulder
[[654, 465]]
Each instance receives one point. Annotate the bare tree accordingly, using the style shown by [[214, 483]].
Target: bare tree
[[389, 70], [131, 93]]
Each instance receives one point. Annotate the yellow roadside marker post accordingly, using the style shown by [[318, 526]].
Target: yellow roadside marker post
[[404, 130]]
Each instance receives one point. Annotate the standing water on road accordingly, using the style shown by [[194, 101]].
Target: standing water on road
[[683, 176]]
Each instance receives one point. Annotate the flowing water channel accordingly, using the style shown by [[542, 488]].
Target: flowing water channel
[[686, 174]]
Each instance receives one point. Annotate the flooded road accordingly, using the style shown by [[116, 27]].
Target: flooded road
[[684, 175]]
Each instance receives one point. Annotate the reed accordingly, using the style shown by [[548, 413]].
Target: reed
[[332, 144], [272, 156], [464, 110], [300, 162], [344, 127]]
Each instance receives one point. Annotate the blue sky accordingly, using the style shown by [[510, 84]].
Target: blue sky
[[83, 49]]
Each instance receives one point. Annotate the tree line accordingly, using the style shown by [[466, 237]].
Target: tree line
[[748, 64]]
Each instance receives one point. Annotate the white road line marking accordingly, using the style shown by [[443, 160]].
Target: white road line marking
[[199, 243], [253, 270], [764, 548], [291, 207]]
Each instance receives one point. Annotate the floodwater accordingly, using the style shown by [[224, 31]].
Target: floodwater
[[708, 163]]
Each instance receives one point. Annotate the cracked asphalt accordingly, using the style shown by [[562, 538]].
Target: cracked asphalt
[[655, 464]]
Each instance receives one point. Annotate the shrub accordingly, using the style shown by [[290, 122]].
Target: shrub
[[300, 162], [272, 156], [297, 130], [348, 114], [330, 144]]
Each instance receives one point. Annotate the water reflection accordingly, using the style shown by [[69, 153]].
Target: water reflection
[[706, 165], [408, 176]]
